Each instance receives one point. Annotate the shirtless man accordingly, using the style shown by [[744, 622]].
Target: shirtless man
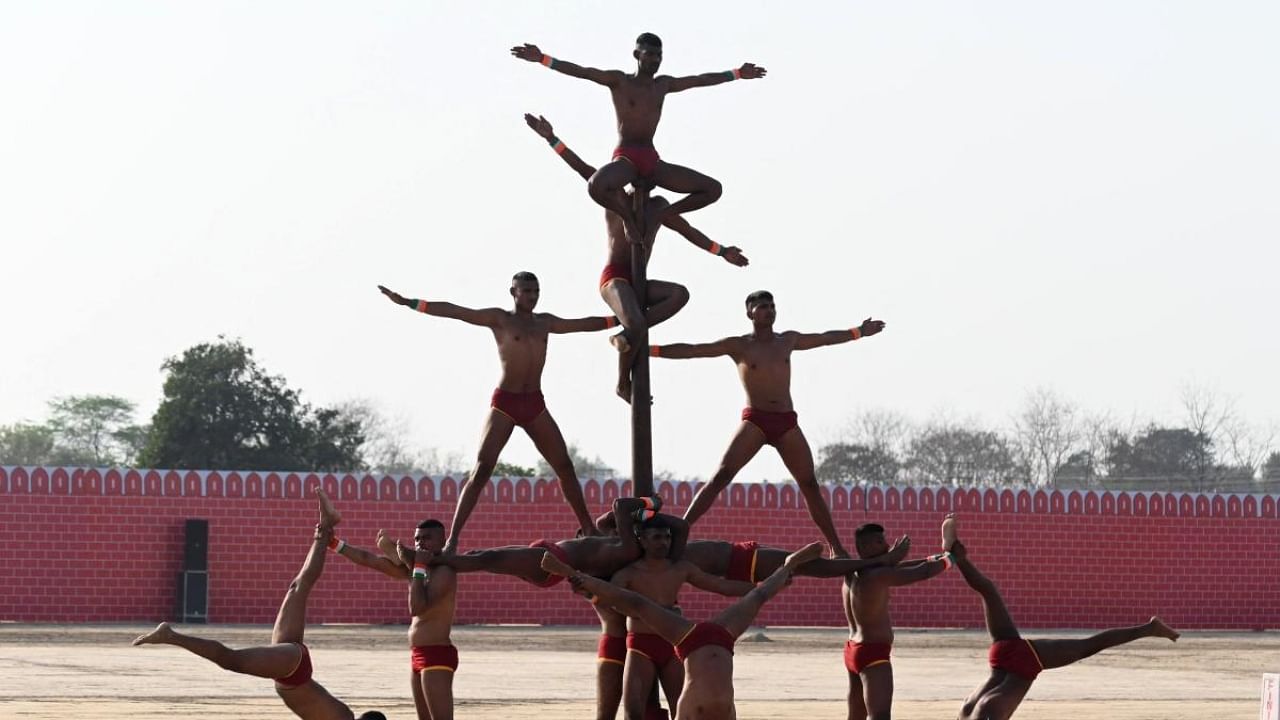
[[764, 364], [286, 660], [664, 299], [521, 335], [599, 555], [637, 103], [1015, 661], [865, 596], [659, 578], [432, 596], [705, 649]]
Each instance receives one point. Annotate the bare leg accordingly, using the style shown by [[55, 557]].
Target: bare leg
[[608, 689], [272, 661], [620, 296], [639, 681], [796, 455], [671, 626], [291, 621], [419, 697], [518, 560], [857, 706], [329, 515], [1057, 653], [744, 446], [546, 436], [606, 187], [437, 685], [738, 617], [497, 430], [999, 623], [665, 300], [672, 677], [877, 691], [702, 190]]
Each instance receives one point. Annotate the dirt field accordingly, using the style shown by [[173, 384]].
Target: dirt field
[[522, 673]]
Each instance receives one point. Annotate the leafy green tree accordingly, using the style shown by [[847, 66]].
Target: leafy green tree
[[951, 454], [587, 468], [511, 470], [855, 462], [94, 430], [222, 410], [26, 444]]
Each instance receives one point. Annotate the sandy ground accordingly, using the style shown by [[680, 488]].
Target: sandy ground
[[522, 673]]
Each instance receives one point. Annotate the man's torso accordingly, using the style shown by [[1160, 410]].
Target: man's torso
[[765, 369], [522, 350]]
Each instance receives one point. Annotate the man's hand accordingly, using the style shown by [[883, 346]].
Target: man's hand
[[748, 71], [733, 255], [533, 54], [539, 125], [405, 555], [394, 296], [899, 551], [958, 551], [870, 327]]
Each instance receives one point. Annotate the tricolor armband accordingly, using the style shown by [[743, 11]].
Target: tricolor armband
[[548, 60], [419, 305], [420, 571], [734, 74], [335, 544], [610, 321], [716, 248], [655, 351], [557, 144], [855, 332]]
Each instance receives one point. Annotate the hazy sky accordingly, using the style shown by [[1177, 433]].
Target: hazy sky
[[1082, 196]]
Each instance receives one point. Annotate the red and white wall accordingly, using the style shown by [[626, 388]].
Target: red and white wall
[[84, 545]]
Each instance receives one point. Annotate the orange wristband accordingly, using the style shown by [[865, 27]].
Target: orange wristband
[[855, 332], [655, 351], [548, 60], [715, 248], [421, 306], [610, 322]]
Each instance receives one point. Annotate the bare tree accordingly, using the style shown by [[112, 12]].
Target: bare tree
[[387, 449], [1048, 431], [1248, 446], [882, 430]]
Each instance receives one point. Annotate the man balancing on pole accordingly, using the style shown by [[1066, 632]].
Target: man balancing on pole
[[706, 648], [1015, 661], [286, 660], [637, 103], [521, 335], [764, 365], [663, 298]]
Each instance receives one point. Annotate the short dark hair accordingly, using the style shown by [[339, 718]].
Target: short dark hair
[[758, 297], [649, 39], [430, 524], [868, 529], [372, 715], [524, 275], [657, 521]]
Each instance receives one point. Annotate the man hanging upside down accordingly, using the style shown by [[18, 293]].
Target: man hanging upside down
[[286, 660], [663, 299], [705, 648], [1016, 661]]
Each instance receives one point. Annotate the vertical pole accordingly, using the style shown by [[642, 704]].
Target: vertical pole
[[641, 424]]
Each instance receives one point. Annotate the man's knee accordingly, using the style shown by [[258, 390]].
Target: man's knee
[[714, 189], [599, 186], [680, 296]]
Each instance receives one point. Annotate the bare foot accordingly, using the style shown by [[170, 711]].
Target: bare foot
[[624, 388], [162, 634], [387, 546], [948, 532], [329, 515], [620, 342], [812, 551], [556, 566], [1159, 629], [450, 547]]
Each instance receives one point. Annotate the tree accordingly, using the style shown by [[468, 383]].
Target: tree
[[946, 453], [1048, 432], [1172, 455], [586, 468], [222, 410], [854, 462], [511, 470], [26, 444], [95, 430]]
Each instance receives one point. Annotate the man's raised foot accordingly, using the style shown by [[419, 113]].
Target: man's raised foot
[[161, 635]]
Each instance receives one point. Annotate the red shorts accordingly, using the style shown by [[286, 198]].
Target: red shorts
[[301, 674], [523, 408], [773, 424], [742, 561], [1015, 656], [860, 656], [427, 658], [560, 554], [611, 649], [652, 646], [615, 272], [702, 635], [645, 159]]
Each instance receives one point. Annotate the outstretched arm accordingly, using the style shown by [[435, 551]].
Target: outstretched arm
[[531, 53], [748, 71], [914, 573], [808, 341], [488, 317], [364, 558], [840, 567], [686, 351], [731, 254], [702, 580], [586, 324], [543, 129]]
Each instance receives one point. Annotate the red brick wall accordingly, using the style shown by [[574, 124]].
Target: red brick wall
[[100, 546]]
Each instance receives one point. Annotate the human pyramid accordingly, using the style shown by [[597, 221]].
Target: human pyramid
[[632, 562]]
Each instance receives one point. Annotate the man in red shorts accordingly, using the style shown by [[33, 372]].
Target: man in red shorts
[[663, 299], [1015, 661], [705, 649], [521, 335], [764, 364], [865, 597], [637, 103], [432, 598], [286, 660], [660, 577]]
